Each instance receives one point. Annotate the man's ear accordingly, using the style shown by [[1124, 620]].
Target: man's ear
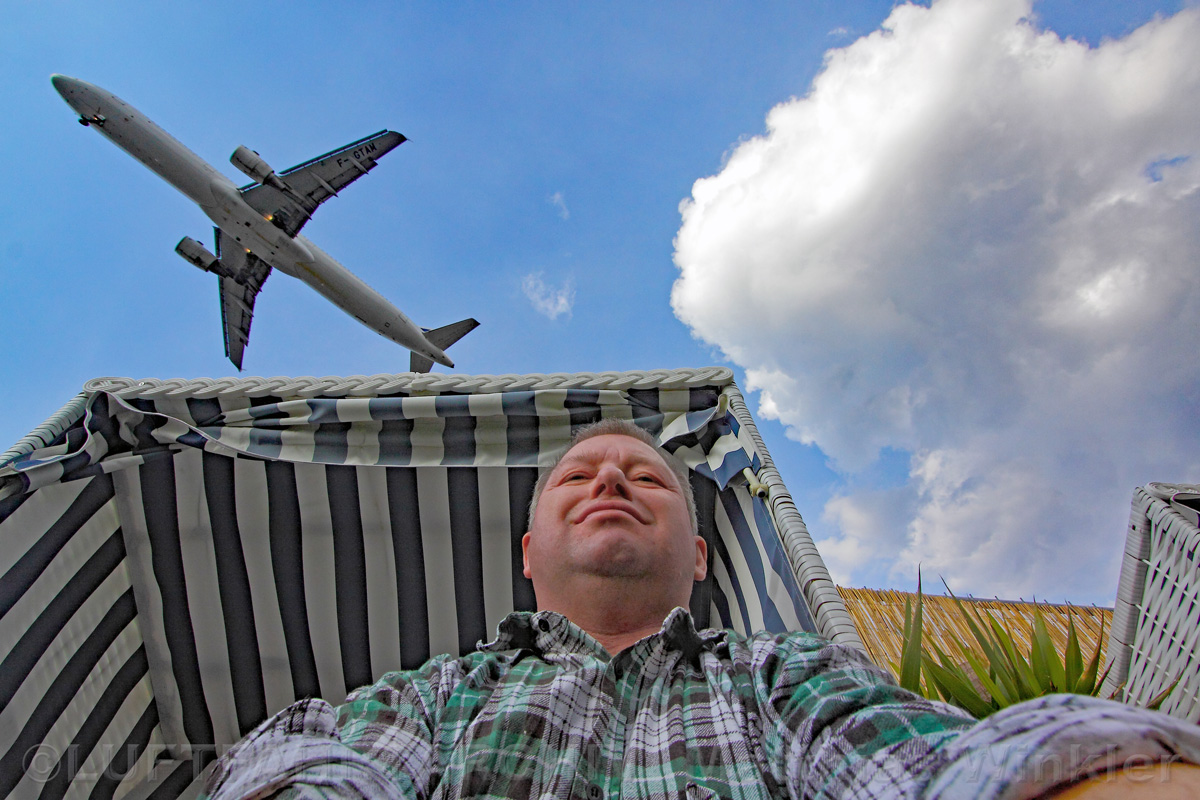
[[525, 553], [701, 558]]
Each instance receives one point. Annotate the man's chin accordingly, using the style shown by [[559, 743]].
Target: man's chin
[[616, 559], [618, 572]]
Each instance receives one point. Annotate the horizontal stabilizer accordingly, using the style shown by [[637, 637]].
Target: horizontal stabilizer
[[441, 338]]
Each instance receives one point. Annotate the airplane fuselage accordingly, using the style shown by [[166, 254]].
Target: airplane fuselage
[[221, 201]]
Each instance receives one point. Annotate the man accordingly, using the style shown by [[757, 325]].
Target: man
[[609, 691]]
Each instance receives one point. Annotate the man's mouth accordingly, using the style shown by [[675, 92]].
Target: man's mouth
[[611, 505]]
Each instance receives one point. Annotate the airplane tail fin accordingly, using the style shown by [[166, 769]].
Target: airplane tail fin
[[419, 363], [441, 338]]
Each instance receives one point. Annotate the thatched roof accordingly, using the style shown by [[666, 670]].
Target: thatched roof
[[879, 615]]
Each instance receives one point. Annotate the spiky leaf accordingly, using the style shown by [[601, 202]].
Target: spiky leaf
[[1072, 658], [958, 690], [984, 676], [1087, 682], [1159, 698], [910, 657], [1013, 662], [991, 650], [1044, 658]]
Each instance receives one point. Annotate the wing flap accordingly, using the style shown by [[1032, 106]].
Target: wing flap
[[316, 180], [237, 297]]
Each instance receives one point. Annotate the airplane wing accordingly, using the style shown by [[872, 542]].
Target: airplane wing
[[315, 181], [237, 296]]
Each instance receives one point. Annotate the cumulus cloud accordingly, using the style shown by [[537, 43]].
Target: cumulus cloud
[[547, 300], [560, 204], [975, 242]]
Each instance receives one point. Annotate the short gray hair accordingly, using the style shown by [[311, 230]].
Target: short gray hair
[[619, 427]]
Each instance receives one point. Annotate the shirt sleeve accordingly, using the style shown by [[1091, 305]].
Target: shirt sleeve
[[837, 726], [379, 744]]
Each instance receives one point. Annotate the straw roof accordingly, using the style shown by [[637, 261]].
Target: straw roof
[[879, 616]]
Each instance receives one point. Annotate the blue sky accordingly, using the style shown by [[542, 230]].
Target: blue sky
[[550, 149]]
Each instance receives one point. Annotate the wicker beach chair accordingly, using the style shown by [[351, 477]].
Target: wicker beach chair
[[180, 559], [1156, 620]]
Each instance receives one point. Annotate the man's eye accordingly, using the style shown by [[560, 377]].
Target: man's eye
[[575, 476], [649, 479]]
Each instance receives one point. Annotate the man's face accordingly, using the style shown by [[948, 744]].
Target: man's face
[[613, 508]]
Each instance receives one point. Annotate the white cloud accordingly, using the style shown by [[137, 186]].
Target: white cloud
[[560, 203], [548, 300], [871, 526], [975, 242]]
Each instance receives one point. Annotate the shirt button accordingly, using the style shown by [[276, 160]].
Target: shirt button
[[544, 625], [594, 792]]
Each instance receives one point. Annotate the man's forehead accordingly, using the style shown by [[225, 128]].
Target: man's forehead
[[597, 448]]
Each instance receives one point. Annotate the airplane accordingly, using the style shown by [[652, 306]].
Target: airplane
[[257, 226]]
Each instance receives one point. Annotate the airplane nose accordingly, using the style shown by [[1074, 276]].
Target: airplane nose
[[68, 88]]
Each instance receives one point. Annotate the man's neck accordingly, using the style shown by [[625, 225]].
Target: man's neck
[[616, 641], [612, 616]]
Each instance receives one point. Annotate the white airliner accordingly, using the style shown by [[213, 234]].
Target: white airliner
[[258, 225]]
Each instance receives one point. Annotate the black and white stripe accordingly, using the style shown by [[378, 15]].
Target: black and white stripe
[[176, 570], [74, 678]]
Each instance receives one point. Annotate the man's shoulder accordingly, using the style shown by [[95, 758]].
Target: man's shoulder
[[450, 665], [440, 677], [800, 648], [787, 640]]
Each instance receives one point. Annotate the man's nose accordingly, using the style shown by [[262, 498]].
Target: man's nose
[[610, 479]]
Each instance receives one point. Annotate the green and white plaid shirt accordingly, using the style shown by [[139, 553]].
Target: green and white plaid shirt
[[543, 711]]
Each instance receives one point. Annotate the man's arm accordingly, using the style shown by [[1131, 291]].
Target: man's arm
[[844, 729], [297, 754], [1165, 781], [379, 744], [1033, 748]]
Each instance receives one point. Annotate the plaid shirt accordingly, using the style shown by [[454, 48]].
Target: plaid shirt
[[543, 711]]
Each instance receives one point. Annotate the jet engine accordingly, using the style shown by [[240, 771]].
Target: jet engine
[[253, 165], [195, 253]]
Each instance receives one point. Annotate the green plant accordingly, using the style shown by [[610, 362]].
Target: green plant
[[1003, 675]]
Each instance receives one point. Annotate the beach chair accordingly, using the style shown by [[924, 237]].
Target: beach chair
[[1155, 636], [182, 558]]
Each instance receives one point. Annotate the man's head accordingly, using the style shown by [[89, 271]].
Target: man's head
[[614, 512], [618, 427]]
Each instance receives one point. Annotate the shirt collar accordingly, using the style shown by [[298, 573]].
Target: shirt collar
[[550, 633]]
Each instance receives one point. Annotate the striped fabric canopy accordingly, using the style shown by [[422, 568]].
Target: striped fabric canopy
[[182, 559]]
